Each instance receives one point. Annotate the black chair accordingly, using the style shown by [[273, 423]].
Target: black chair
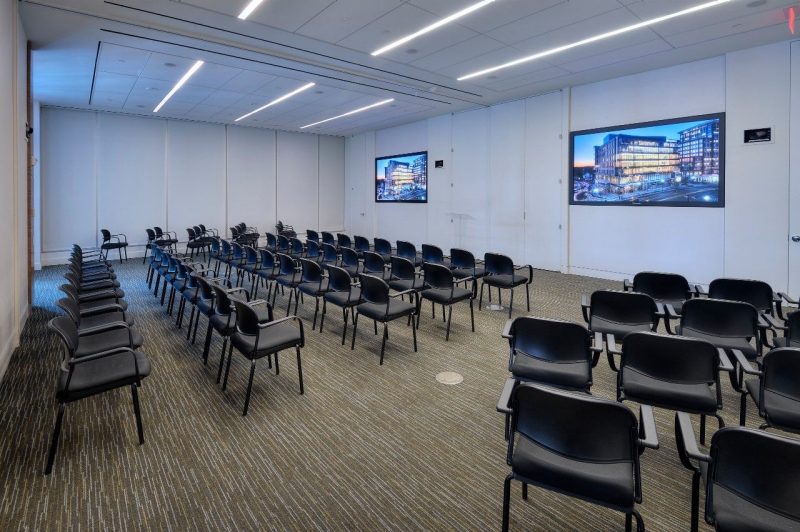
[[791, 331], [92, 374], [329, 255], [725, 324], [153, 242], [775, 390], [90, 318], [577, 445], [440, 288], [250, 265], [195, 243], [313, 251], [664, 288], [223, 318], [502, 274], [257, 338], [314, 283], [408, 251], [673, 372], [272, 242], [380, 306], [266, 272], [383, 248], [283, 244], [750, 478], [615, 314], [375, 265], [434, 255], [312, 236], [343, 292], [405, 278], [285, 230], [349, 261], [464, 264], [100, 332], [114, 242], [757, 293], [361, 245], [328, 238], [289, 276], [225, 256], [169, 236], [296, 248], [343, 241]]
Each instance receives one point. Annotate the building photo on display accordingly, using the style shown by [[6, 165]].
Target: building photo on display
[[676, 162], [402, 178]]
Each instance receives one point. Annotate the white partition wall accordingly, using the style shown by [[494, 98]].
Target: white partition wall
[[128, 173], [471, 180]]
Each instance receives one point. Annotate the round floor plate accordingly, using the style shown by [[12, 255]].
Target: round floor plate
[[449, 377], [495, 307]]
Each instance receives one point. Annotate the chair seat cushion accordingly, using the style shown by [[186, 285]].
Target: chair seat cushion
[[608, 483], [288, 280], [104, 318], [442, 295], [725, 342], [733, 511], [460, 273], [505, 280], [314, 288], [377, 311], [102, 293], [114, 245], [400, 285], [619, 330], [646, 389], [573, 375], [271, 340], [780, 410], [88, 306], [103, 341], [345, 299], [102, 374]]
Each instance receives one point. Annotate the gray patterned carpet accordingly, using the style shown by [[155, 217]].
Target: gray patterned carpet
[[367, 447]]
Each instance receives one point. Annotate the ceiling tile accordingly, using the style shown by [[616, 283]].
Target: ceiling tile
[[344, 17], [248, 81], [121, 59], [166, 67], [109, 100], [402, 21], [116, 83], [489, 17], [730, 27], [214, 75], [616, 56], [287, 15], [458, 53]]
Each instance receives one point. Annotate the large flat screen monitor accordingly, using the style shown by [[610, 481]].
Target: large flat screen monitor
[[671, 163], [402, 178]]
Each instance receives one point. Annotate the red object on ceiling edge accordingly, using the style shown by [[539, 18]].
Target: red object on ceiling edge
[[791, 17]]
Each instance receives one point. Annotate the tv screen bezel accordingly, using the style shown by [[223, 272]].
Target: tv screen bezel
[[375, 177], [610, 129]]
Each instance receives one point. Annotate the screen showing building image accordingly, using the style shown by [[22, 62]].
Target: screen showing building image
[[402, 178], [676, 162]]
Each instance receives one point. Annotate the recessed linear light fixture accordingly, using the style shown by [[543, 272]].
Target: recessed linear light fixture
[[249, 8], [596, 38], [348, 113], [189, 73], [277, 100], [437, 24]]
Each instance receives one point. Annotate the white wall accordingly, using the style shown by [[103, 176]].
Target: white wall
[[13, 181], [101, 170], [509, 175]]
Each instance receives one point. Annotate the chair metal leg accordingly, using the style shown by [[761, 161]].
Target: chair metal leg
[[639, 521], [316, 311], [511, 303], [695, 500], [207, 345], [196, 324], [702, 429], [191, 322], [506, 501], [628, 522], [528, 296], [472, 315], [480, 300], [51, 455], [525, 491], [228, 367], [414, 330], [222, 358], [375, 325], [383, 342], [444, 312], [297, 296], [299, 369], [344, 325], [137, 412], [249, 386], [277, 364], [742, 409], [355, 326], [289, 306], [449, 315], [433, 310], [324, 309]]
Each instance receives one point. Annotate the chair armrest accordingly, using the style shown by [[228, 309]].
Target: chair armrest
[[123, 235], [597, 346], [101, 309], [687, 441], [404, 292], [627, 285], [699, 290], [724, 361], [611, 344], [257, 302], [585, 306], [788, 299], [647, 425], [239, 289], [671, 314], [503, 405], [744, 363], [104, 327], [660, 312], [773, 323], [103, 354], [762, 323], [507, 329]]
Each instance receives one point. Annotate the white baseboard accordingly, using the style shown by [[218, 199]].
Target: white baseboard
[[5, 354], [600, 274]]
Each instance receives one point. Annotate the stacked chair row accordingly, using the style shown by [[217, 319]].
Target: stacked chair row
[[100, 344], [242, 321], [546, 400]]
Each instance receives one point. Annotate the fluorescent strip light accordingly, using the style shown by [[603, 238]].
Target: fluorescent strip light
[[596, 38], [437, 24], [195, 67], [277, 100], [248, 10], [348, 113]]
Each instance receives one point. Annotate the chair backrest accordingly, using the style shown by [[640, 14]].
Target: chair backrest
[[237, 250], [720, 317], [382, 246], [630, 308], [247, 319], [374, 289], [312, 236], [664, 286], [349, 256], [550, 340], [205, 292], [374, 263], [312, 248], [296, 245], [437, 275], [327, 238], [197, 230], [272, 241], [267, 259], [793, 326], [287, 264], [312, 271], [329, 254], [403, 268], [578, 426], [66, 329], [760, 467], [781, 369], [461, 258], [223, 304], [226, 247], [343, 240], [215, 245], [235, 232], [202, 227], [670, 358], [251, 255], [407, 250], [151, 235], [433, 254], [360, 243], [71, 309], [757, 293], [497, 264], [106, 235], [191, 233], [159, 231], [338, 279], [283, 243]]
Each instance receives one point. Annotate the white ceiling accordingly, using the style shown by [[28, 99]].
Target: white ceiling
[[124, 55]]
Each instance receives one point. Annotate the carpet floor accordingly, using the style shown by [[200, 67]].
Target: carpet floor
[[367, 447]]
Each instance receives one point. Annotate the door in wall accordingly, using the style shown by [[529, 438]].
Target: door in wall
[[359, 197], [794, 178]]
